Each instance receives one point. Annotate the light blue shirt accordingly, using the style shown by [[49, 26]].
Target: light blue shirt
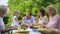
[[31, 20]]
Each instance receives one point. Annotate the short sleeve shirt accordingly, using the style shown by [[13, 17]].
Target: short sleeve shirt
[[14, 22], [2, 25], [31, 20]]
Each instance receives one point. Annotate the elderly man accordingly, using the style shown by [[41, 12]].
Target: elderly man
[[3, 30]]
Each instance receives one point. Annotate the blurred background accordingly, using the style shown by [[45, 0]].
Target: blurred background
[[24, 6]]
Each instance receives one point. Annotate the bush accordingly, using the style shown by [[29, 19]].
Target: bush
[[24, 6]]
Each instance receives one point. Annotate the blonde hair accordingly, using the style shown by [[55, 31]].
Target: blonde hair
[[52, 9], [15, 11]]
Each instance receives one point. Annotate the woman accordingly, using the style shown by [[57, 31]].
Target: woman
[[54, 21], [43, 20], [28, 19]]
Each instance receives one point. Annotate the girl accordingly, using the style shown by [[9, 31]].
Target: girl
[[15, 21]]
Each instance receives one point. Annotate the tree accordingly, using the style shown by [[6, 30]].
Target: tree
[[24, 6]]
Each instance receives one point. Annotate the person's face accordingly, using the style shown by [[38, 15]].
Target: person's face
[[4, 12], [28, 15], [39, 13], [49, 12], [17, 14]]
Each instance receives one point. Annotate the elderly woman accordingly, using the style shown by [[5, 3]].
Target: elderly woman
[[43, 20], [54, 21]]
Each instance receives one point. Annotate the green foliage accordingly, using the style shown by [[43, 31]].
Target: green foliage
[[24, 6], [5, 19]]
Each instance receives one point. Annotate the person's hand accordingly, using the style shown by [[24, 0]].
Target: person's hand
[[31, 25], [43, 26], [14, 28], [20, 22]]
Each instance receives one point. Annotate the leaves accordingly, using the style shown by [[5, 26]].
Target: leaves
[[24, 6]]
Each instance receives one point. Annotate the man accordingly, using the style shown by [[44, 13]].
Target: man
[[28, 18], [3, 11]]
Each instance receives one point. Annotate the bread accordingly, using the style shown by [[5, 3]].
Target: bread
[[22, 32]]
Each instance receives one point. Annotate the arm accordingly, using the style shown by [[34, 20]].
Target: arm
[[8, 29], [53, 23], [17, 20], [33, 20], [5, 30], [45, 20], [23, 19]]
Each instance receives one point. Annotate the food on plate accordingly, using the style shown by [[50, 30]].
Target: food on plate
[[31, 25], [24, 26]]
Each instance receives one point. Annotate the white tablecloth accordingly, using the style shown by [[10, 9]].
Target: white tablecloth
[[31, 31]]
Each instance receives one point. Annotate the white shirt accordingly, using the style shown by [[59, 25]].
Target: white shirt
[[14, 22], [2, 25], [0, 31]]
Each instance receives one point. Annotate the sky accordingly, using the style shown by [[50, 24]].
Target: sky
[[3, 2]]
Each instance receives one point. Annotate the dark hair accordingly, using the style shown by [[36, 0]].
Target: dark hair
[[42, 11], [29, 13]]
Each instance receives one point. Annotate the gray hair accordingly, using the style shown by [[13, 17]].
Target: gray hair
[[2, 7], [52, 9]]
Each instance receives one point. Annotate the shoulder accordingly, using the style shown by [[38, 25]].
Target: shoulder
[[57, 17], [24, 17], [32, 16], [1, 21], [14, 16]]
